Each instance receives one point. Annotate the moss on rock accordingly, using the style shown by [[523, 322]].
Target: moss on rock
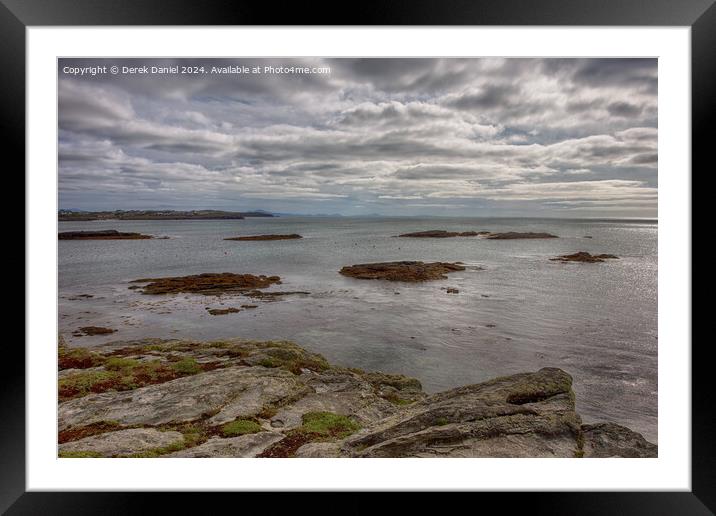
[[77, 358], [328, 424], [240, 427]]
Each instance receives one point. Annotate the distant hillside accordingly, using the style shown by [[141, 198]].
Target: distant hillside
[[69, 215]]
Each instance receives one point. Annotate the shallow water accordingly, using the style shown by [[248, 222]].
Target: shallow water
[[596, 321]]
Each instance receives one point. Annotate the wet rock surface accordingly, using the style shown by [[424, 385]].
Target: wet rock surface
[[584, 257], [611, 440], [275, 399], [264, 237], [108, 234], [207, 283], [401, 271]]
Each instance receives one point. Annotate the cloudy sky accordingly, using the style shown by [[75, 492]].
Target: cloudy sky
[[449, 137]]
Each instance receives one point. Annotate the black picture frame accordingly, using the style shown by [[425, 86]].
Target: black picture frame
[[17, 15]]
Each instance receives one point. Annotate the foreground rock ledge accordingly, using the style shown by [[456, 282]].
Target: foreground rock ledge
[[109, 234], [401, 271], [275, 399], [264, 237]]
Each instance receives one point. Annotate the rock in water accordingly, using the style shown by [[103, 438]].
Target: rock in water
[[223, 311], [584, 257], [265, 237], [512, 235], [401, 271], [439, 233], [208, 283], [93, 330]]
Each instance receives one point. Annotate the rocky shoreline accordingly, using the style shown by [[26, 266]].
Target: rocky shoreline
[[243, 398], [67, 215]]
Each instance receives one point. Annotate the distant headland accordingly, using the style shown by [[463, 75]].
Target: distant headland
[[71, 215]]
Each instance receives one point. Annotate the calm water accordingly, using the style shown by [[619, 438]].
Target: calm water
[[596, 321]]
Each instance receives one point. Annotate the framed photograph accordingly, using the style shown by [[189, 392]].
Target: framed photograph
[[435, 250]]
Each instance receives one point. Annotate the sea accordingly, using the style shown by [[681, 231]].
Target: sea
[[515, 311]]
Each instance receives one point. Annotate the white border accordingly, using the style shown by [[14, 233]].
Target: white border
[[672, 470]]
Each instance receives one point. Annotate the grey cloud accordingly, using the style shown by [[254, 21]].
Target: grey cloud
[[374, 134], [624, 109], [640, 74], [631, 72], [489, 97], [645, 159], [406, 75], [581, 106]]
